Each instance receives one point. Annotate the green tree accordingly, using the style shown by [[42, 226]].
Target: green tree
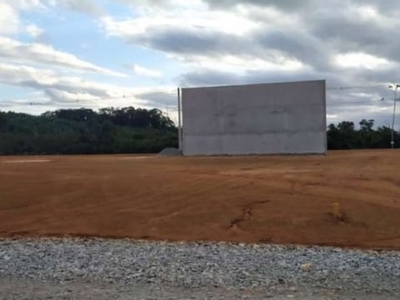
[[345, 136], [3, 121], [84, 131], [365, 134]]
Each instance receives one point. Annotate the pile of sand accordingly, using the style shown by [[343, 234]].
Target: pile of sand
[[170, 151]]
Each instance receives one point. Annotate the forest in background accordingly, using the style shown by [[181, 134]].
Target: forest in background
[[84, 131], [136, 130], [345, 135]]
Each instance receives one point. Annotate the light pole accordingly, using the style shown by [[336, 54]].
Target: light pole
[[394, 87]]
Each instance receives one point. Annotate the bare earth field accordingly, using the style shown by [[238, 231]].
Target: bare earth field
[[269, 199]]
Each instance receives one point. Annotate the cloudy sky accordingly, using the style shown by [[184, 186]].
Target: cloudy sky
[[98, 53]]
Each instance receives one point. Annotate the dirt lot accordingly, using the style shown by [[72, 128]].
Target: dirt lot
[[251, 199]]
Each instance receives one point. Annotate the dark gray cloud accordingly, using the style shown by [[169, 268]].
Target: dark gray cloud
[[189, 41], [318, 32], [301, 46], [389, 7], [287, 5]]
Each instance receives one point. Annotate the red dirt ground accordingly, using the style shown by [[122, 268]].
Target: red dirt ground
[[272, 199]]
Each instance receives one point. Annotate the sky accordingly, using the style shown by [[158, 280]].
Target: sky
[[58, 54]]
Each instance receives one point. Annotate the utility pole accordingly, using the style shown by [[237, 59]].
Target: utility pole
[[394, 87], [179, 120]]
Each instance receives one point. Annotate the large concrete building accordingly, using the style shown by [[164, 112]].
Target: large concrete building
[[278, 118]]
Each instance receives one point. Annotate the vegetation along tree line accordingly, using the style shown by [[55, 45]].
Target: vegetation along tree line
[[135, 130]]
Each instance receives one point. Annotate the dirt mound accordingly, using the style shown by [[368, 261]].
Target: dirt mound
[[171, 151]]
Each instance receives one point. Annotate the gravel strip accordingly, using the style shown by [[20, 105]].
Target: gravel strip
[[187, 266]]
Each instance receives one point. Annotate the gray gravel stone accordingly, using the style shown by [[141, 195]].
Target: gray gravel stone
[[262, 269]]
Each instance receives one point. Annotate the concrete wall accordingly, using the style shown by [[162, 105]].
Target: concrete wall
[[280, 118]]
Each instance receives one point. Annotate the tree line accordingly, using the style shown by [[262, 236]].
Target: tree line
[[84, 131], [136, 130], [345, 136]]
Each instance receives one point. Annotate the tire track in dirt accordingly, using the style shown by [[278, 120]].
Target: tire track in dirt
[[247, 214], [170, 215]]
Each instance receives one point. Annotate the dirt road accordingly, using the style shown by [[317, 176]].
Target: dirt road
[[274, 199], [18, 289]]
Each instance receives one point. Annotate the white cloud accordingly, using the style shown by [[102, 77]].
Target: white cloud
[[243, 64], [204, 21], [142, 71], [163, 6], [360, 60], [9, 20], [25, 4], [368, 12], [89, 7], [44, 54], [57, 89], [34, 31]]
